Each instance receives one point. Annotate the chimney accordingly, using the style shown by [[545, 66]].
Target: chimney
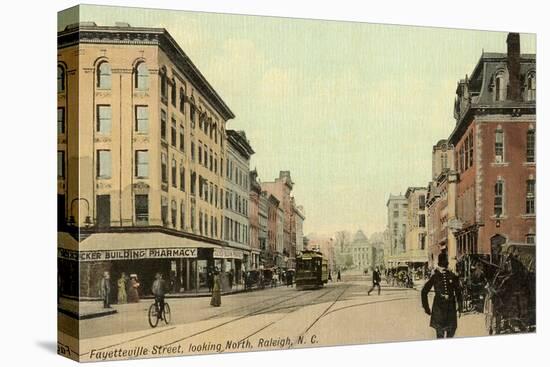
[[513, 66]]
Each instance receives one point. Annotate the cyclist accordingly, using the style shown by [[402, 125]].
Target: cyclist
[[159, 290]]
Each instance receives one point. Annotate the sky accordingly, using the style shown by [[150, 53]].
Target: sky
[[351, 109]]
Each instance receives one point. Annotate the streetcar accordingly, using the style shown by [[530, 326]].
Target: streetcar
[[311, 270]]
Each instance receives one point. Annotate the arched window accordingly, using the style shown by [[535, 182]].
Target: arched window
[[142, 76], [60, 79], [531, 87], [104, 75], [500, 87]]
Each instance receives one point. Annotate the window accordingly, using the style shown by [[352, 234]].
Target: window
[[142, 164], [499, 198], [182, 100], [142, 208], [193, 151], [500, 87], [216, 163], [104, 75], [530, 199], [174, 174], [471, 149], [60, 79], [211, 160], [61, 120], [173, 93], [60, 164], [205, 156], [142, 119], [466, 152], [163, 124], [174, 213], [531, 87], [200, 154], [103, 208], [396, 214], [200, 222], [193, 116], [104, 119], [103, 164], [193, 217], [142, 76], [499, 146], [182, 138], [531, 145], [182, 178], [422, 221], [163, 84], [193, 182], [182, 215], [164, 210], [173, 134], [530, 238], [164, 168], [422, 240], [421, 202], [443, 161]]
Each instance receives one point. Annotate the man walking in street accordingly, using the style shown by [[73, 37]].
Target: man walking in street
[[105, 289], [375, 281], [447, 296]]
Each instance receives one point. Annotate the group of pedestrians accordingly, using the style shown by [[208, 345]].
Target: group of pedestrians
[[127, 289]]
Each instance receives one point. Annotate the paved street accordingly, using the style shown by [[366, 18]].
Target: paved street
[[340, 313]]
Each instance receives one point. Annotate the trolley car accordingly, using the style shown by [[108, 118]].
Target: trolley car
[[311, 270]]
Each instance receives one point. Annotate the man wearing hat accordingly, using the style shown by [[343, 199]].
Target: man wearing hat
[[447, 296]]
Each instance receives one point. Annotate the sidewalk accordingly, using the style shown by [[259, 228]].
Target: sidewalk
[[93, 307]]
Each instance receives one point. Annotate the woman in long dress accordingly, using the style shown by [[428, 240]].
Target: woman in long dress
[[122, 289], [216, 300], [133, 294]]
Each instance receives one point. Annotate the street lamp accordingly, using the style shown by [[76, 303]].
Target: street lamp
[[87, 221]]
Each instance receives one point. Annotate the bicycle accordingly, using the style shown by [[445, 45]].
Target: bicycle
[[154, 314]]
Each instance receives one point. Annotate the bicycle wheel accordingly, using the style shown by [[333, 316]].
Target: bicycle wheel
[[152, 315], [167, 315]]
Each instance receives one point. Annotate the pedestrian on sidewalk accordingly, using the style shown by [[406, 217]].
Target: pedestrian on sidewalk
[[122, 282], [447, 296], [105, 289], [339, 276], [375, 281], [133, 293], [216, 299]]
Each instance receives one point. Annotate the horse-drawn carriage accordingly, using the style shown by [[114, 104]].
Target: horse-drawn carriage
[[510, 303]]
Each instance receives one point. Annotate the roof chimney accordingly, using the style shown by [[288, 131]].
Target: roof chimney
[[513, 66]]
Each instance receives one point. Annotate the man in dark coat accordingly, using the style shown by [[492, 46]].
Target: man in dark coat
[[375, 281], [447, 296]]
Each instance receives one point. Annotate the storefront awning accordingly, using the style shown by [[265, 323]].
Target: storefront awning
[[130, 246]]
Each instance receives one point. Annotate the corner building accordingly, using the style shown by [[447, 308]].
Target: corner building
[[141, 137], [494, 140]]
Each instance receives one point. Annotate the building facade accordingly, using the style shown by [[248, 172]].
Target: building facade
[[494, 140], [281, 188], [416, 238], [254, 219], [398, 209], [361, 252], [141, 138], [298, 218], [236, 210]]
